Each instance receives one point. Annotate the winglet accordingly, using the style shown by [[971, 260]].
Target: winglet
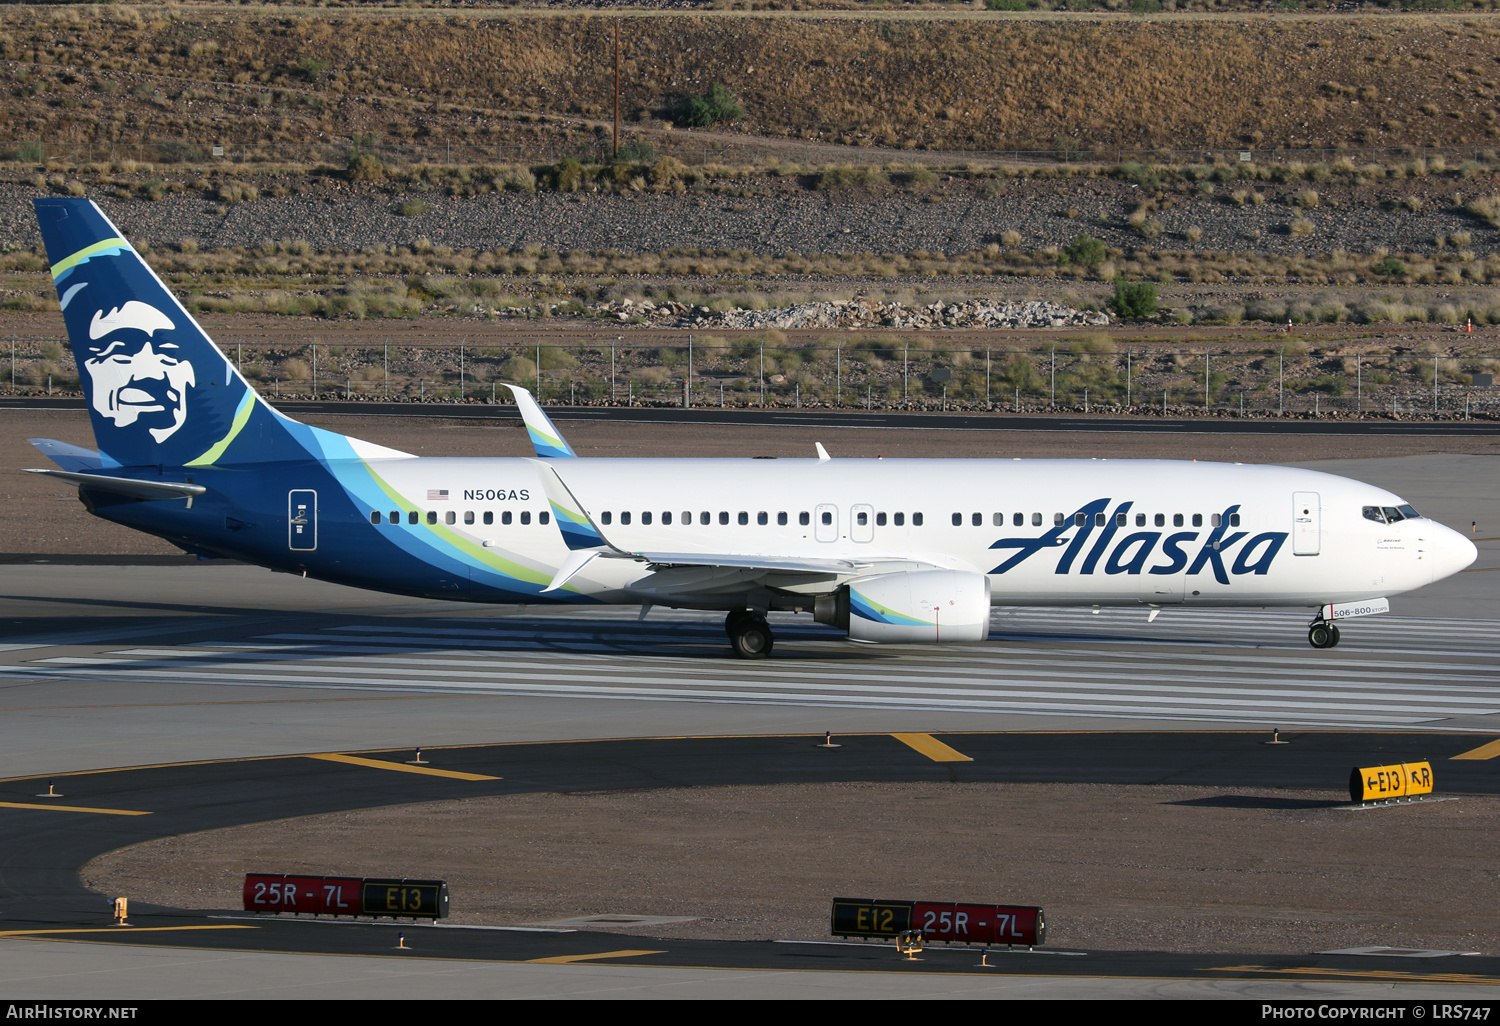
[[823, 456], [578, 528], [546, 439]]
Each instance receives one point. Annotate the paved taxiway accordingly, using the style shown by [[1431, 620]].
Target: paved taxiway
[[128, 665], [45, 843]]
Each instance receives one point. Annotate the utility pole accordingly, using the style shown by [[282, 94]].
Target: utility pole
[[617, 89]]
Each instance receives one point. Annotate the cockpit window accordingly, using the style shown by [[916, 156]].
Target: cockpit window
[[1390, 514]]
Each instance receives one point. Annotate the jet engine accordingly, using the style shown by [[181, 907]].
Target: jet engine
[[911, 606]]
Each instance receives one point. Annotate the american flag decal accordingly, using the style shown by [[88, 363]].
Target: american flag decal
[[434, 494]]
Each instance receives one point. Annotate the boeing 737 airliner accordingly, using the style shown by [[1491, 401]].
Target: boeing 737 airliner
[[888, 550]]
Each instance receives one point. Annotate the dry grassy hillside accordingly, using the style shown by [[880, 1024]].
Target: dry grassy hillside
[[974, 81]]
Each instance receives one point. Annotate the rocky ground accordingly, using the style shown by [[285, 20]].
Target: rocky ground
[[957, 217]]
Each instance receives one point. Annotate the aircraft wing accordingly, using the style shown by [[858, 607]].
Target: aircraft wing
[[768, 563], [545, 438]]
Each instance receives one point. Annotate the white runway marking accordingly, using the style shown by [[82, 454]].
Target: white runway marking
[[1191, 665]]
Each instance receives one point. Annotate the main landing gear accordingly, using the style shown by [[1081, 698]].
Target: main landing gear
[[1322, 634], [749, 634]]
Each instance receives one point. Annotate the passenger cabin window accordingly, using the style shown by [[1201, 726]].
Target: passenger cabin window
[[916, 520], [1161, 520], [1176, 519], [827, 518], [1036, 520], [375, 516], [977, 519], [1140, 520], [450, 517], [468, 516], [1197, 519], [432, 516], [505, 518], [1057, 519], [606, 518], [1214, 520], [525, 516], [804, 519], [723, 517], [544, 517], [999, 519], [489, 517], [703, 518], [1234, 520], [687, 518], [1098, 519], [879, 519], [645, 517], [862, 518], [666, 517], [1019, 519], [762, 518], [781, 519], [744, 518], [1120, 519], [395, 516], [899, 519], [958, 520], [624, 518]]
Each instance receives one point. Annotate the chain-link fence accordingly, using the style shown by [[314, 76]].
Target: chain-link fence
[[860, 373]]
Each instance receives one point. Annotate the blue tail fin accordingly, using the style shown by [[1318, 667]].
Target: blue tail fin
[[159, 391]]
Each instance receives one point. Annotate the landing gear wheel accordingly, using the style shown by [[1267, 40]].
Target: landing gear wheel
[[1323, 635], [736, 619], [750, 637]]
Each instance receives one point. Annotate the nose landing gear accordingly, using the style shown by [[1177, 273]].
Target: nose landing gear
[[1322, 634], [749, 634]]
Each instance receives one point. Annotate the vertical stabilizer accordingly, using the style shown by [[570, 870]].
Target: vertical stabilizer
[[159, 391]]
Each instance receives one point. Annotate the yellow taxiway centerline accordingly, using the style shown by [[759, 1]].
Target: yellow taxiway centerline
[[117, 930], [72, 808], [354, 760], [932, 748], [1488, 751], [565, 959]]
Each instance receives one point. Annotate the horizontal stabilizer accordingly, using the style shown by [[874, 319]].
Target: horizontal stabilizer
[[71, 457], [127, 486]]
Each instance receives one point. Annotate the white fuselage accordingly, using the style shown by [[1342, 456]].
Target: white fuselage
[[1105, 532]]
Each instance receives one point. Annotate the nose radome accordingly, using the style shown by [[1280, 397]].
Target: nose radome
[[1450, 552]]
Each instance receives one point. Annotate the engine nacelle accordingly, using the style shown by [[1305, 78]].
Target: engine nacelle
[[915, 606]]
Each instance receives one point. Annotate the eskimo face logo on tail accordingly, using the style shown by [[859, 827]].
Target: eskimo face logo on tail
[[1223, 552], [136, 377]]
